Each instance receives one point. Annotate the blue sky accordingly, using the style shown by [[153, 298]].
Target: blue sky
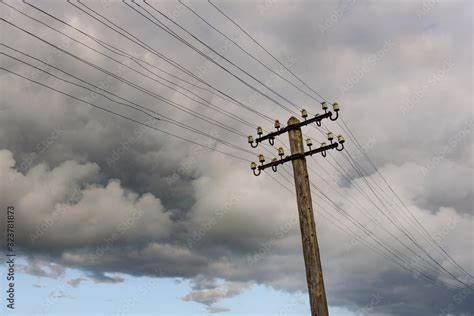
[[141, 296]]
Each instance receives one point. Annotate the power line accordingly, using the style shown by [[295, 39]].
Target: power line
[[350, 134], [247, 52], [108, 73], [140, 43], [138, 87], [303, 185], [182, 40], [153, 79], [262, 47], [358, 169], [396, 222], [124, 117], [429, 236], [137, 61], [79, 43], [371, 235], [350, 232], [137, 107], [216, 52], [411, 238], [398, 256]]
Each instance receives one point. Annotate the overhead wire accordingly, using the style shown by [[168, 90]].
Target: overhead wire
[[124, 33], [401, 259], [410, 237], [139, 62], [62, 33], [246, 52], [424, 230], [99, 68], [160, 25], [216, 52], [262, 47], [350, 133], [404, 261], [207, 104], [135, 106], [138, 87], [87, 46], [396, 223], [123, 116]]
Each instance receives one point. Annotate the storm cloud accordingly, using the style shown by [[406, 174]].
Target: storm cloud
[[103, 195]]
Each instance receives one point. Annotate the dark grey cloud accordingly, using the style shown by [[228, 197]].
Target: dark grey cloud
[[100, 194], [107, 279]]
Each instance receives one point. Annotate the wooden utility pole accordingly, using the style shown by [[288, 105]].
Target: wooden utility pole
[[312, 260]]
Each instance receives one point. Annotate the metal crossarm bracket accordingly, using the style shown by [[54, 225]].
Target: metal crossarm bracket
[[315, 119], [314, 273], [296, 156]]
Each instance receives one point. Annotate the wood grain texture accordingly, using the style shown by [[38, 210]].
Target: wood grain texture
[[314, 274]]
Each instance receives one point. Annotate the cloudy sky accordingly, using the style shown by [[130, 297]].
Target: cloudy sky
[[113, 217]]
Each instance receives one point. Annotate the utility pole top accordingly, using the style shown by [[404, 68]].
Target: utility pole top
[[312, 260], [293, 121]]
